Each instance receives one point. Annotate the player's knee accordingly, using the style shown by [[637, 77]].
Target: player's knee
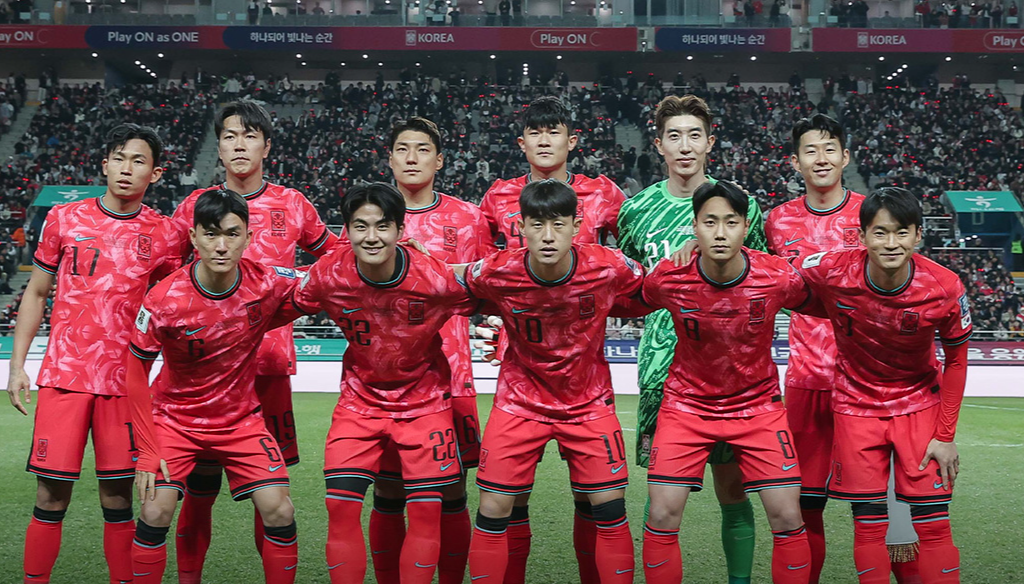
[[53, 495], [784, 517], [388, 489], [664, 515], [494, 505], [491, 524], [158, 513], [116, 494], [809, 503], [610, 513], [279, 512]]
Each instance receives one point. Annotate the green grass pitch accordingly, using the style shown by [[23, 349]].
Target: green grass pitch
[[988, 510]]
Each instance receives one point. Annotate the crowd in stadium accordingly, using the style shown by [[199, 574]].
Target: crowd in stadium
[[898, 137]]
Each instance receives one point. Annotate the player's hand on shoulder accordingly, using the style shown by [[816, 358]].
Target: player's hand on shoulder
[[686, 253], [946, 456], [415, 245], [490, 336], [19, 389]]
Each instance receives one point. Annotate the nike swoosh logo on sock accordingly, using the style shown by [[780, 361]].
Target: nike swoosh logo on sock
[[862, 572], [652, 566]]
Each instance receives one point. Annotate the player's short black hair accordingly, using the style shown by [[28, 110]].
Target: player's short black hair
[[737, 199], [900, 203], [381, 194], [546, 112], [120, 134], [547, 199], [822, 123], [416, 124], [252, 115], [214, 205]]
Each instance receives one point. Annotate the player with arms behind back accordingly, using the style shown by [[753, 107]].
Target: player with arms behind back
[[391, 302], [281, 219], [554, 297], [546, 141], [653, 225], [103, 253], [886, 304], [454, 232], [208, 319]]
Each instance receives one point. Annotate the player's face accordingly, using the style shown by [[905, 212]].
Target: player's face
[[220, 248], [720, 230], [820, 159], [242, 151], [684, 144], [547, 148], [890, 245], [130, 170], [373, 238], [414, 159], [549, 239]]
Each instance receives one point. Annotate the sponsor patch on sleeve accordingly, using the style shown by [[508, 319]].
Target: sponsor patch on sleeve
[[813, 261], [476, 268], [965, 306], [633, 266], [305, 280], [284, 272], [142, 321]]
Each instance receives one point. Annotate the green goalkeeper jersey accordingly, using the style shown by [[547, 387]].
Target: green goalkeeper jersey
[[652, 226]]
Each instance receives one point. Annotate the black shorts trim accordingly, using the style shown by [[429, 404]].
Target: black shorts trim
[[432, 482], [598, 487], [54, 474], [942, 499], [246, 490], [109, 475], [754, 486], [857, 497], [501, 489], [694, 483]]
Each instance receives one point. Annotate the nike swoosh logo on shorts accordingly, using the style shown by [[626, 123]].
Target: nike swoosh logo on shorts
[[937, 484], [616, 469], [520, 310], [788, 466], [688, 310], [275, 468], [652, 566], [291, 567], [444, 467], [350, 310], [513, 214]]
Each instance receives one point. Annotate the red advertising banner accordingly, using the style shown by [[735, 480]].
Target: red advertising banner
[[291, 38], [988, 41]]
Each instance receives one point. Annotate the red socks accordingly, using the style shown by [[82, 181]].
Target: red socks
[[791, 557], [456, 530], [870, 554], [149, 553], [118, 532], [422, 545], [663, 561], [387, 534], [614, 547], [280, 554], [519, 536], [815, 524], [194, 526], [346, 551], [939, 558], [906, 572], [584, 539], [42, 544], [488, 550]]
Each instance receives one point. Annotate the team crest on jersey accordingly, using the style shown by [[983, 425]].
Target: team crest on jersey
[[587, 306], [277, 224], [483, 459], [653, 459], [756, 310], [41, 447], [451, 237], [851, 237], [909, 322], [417, 312], [145, 248], [252, 310]]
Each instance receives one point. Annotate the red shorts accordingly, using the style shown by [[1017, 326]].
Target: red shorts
[[249, 455], [810, 416], [275, 395], [594, 450], [467, 432], [861, 454], [426, 448], [762, 444], [63, 421]]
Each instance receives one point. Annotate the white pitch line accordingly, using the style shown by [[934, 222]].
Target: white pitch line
[[994, 408], [994, 445]]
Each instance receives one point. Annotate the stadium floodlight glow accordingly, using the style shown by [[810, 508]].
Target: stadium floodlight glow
[[365, 56], [689, 57], [343, 63], [298, 55], [559, 57], [138, 62], [753, 57], [142, 66], [905, 66], [303, 63], [94, 55], [380, 64], [948, 58], [417, 64], [494, 56], [881, 58]]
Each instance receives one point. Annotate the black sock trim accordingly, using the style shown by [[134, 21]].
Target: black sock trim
[[520, 513], [49, 516], [388, 505], [584, 509], [455, 505], [812, 502], [493, 525], [610, 511], [149, 535], [117, 515], [283, 534]]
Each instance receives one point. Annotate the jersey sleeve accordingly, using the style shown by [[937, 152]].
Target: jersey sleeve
[[769, 231], [482, 243], [487, 208], [283, 282], [145, 343], [316, 238], [305, 297], [797, 293], [610, 221], [182, 221], [475, 280], [956, 326], [47, 256], [172, 260], [755, 237], [653, 283]]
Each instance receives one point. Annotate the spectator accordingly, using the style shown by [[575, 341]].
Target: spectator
[[254, 12], [317, 10], [268, 12], [504, 8], [776, 10]]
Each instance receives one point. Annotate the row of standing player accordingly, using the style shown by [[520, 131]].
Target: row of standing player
[[542, 150]]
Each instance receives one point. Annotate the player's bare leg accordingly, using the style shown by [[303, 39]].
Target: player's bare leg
[[118, 527], [281, 549], [488, 552], [737, 521], [42, 538], [194, 528], [663, 561], [613, 549], [456, 531], [387, 529], [149, 548], [791, 552]]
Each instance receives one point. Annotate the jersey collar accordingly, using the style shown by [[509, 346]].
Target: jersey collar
[[570, 178], [401, 271], [252, 195], [429, 207], [883, 292], [735, 281], [206, 293], [537, 279], [835, 209], [119, 216]]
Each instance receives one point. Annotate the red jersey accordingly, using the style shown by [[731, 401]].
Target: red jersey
[[209, 342], [598, 205], [795, 229], [454, 232], [886, 364], [280, 219], [723, 363], [554, 369], [104, 262], [394, 365]]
